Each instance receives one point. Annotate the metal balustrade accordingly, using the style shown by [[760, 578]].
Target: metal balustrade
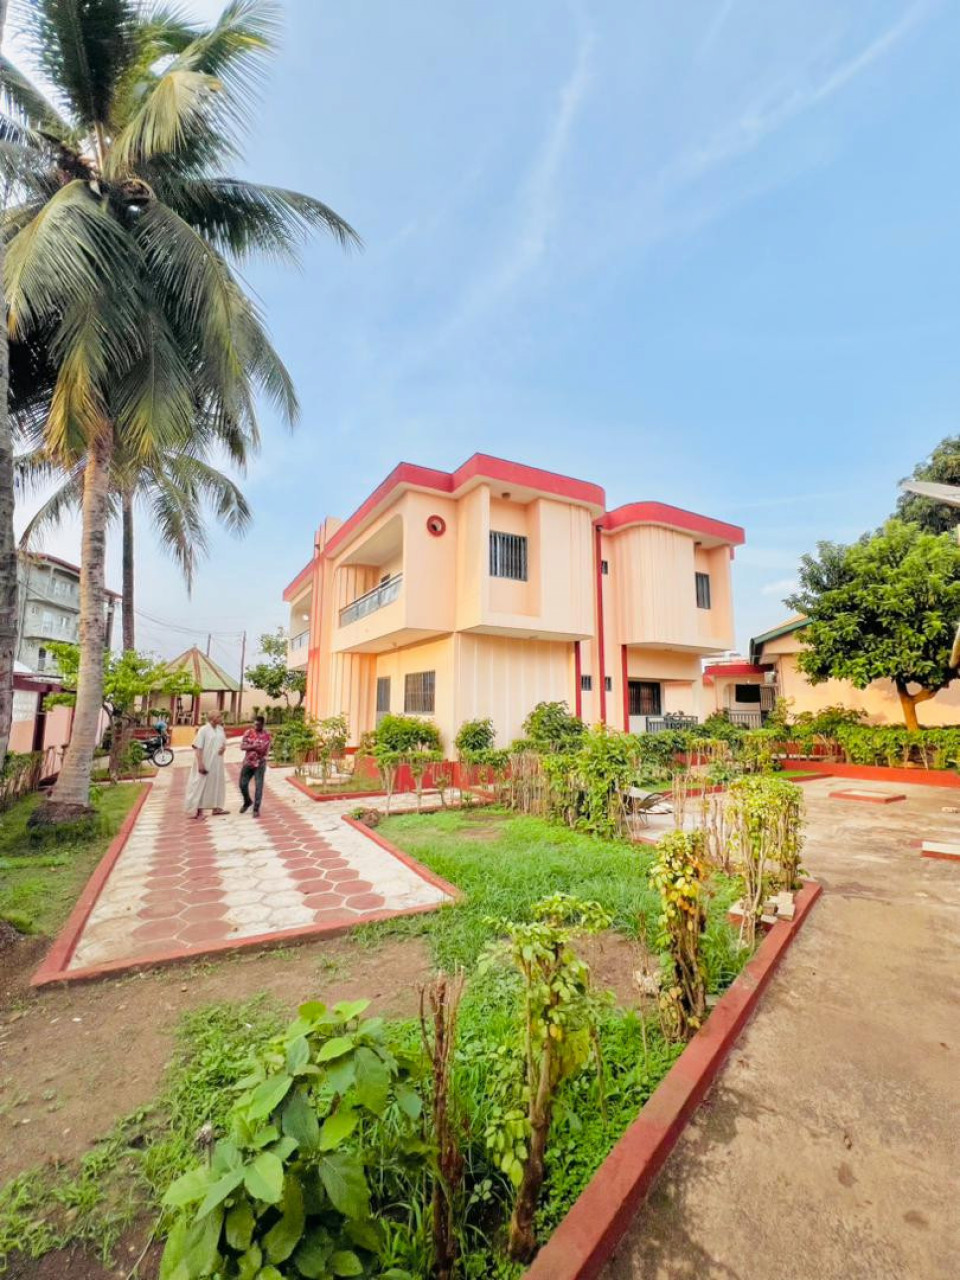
[[373, 600], [300, 641]]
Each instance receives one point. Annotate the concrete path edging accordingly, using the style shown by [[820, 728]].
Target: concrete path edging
[[586, 1238]]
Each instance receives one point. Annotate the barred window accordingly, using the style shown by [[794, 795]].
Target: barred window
[[383, 697], [508, 556], [604, 566], [419, 692], [586, 683], [703, 590], [608, 683]]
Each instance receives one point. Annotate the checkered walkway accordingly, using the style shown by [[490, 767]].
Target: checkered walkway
[[181, 885]]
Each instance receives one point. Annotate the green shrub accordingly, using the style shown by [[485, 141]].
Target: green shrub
[[473, 737], [403, 734], [289, 1187], [551, 727]]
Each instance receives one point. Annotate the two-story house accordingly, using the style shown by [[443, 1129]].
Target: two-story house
[[49, 608], [486, 590]]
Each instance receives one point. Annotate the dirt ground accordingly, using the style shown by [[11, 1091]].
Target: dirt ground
[[830, 1147], [59, 1047]]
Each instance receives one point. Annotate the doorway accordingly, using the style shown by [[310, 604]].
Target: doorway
[[645, 700]]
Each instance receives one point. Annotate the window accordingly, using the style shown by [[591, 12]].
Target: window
[[746, 693], [383, 697], [419, 692], [508, 556], [47, 626], [703, 590], [608, 683], [586, 684], [604, 566], [644, 697], [41, 659]]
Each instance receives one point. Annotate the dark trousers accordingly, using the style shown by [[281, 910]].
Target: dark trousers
[[257, 773]]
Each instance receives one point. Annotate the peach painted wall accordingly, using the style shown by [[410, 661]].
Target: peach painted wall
[[879, 700], [436, 656], [504, 678], [654, 594]]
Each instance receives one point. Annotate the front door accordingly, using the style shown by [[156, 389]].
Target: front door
[[645, 701]]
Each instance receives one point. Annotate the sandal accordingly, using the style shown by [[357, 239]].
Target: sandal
[[218, 812]]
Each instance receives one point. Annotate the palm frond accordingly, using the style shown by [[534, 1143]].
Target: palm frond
[[65, 500], [152, 403], [205, 483], [243, 218], [65, 253], [177, 103], [20, 97], [83, 47]]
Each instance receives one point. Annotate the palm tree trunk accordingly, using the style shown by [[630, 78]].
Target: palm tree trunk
[[70, 797], [129, 629], [8, 544]]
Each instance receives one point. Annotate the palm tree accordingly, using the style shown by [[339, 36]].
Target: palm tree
[[8, 546], [130, 326], [175, 488]]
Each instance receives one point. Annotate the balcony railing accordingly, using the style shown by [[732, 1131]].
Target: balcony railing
[[747, 719], [301, 641], [373, 600], [665, 723]]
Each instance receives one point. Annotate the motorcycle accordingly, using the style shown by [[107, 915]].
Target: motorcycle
[[157, 751]]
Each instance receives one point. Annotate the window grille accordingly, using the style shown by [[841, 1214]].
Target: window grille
[[703, 590], [644, 698], [419, 692], [508, 556], [586, 683], [608, 683], [604, 566]]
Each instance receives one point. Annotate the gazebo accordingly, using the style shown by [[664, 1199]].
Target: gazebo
[[214, 685]]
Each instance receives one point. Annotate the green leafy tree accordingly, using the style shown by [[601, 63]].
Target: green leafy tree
[[942, 467], [885, 608], [129, 327], [127, 678], [272, 676]]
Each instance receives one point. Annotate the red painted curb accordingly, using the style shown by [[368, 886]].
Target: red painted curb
[[878, 773], [940, 857], [335, 795], [423, 872], [850, 795], [58, 957], [585, 1239], [262, 941]]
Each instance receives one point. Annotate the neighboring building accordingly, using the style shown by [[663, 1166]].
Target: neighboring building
[[485, 591], [49, 608], [772, 672], [35, 726]]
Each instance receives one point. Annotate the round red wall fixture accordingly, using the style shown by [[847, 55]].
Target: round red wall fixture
[[436, 526]]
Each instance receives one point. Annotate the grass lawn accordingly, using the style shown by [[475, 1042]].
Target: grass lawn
[[40, 884], [344, 785], [504, 863]]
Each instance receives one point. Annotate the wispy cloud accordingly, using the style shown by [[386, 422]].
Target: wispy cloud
[[790, 99], [538, 200], [720, 19]]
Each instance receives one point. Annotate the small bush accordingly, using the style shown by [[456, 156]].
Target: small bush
[[551, 727], [474, 737]]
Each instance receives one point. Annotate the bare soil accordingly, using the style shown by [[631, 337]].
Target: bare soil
[[75, 1059]]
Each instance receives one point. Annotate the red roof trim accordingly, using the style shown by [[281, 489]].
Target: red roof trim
[[479, 466], [294, 588], [719, 669], [674, 517]]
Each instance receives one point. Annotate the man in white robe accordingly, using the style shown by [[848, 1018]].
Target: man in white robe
[[207, 784]]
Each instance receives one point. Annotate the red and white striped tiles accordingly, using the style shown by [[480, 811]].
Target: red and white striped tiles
[[181, 885]]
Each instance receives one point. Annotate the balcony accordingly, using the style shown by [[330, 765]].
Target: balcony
[[371, 601]]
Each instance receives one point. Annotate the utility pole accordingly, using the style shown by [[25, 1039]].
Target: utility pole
[[243, 658], [209, 636]]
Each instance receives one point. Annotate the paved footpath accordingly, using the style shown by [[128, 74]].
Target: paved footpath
[[181, 884], [830, 1147]]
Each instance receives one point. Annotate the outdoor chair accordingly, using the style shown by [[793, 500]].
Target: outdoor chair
[[639, 804]]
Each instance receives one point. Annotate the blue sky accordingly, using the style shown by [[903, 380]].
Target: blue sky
[[704, 253]]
